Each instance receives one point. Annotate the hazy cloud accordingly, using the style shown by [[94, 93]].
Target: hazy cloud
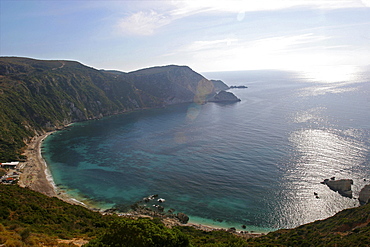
[[146, 22], [143, 22], [209, 44]]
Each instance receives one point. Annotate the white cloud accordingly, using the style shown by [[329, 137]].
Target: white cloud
[[162, 13], [278, 44], [282, 52], [209, 44], [143, 23], [240, 6]]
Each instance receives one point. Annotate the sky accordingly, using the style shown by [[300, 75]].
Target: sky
[[205, 35]]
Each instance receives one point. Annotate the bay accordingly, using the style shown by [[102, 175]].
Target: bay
[[257, 162]]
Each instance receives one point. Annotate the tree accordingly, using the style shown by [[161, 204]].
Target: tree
[[139, 233]]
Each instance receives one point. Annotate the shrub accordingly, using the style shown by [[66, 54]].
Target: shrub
[[139, 233]]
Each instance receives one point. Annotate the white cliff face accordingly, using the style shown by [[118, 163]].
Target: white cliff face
[[364, 196], [343, 186]]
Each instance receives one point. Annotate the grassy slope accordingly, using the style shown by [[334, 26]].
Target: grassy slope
[[27, 217], [350, 227]]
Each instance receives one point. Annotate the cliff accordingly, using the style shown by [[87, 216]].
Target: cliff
[[37, 95], [174, 84], [343, 186]]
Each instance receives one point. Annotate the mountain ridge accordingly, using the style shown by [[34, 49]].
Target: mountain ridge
[[42, 95]]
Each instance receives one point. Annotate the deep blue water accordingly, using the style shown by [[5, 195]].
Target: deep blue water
[[256, 162]]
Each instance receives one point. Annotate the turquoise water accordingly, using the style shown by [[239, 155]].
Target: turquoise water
[[255, 163]]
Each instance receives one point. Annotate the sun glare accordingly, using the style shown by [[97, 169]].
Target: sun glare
[[329, 74]]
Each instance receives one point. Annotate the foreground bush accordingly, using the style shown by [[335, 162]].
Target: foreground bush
[[139, 233]]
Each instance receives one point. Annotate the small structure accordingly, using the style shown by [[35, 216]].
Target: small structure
[[10, 165]]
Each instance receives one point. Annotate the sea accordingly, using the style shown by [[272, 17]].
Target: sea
[[257, 163]]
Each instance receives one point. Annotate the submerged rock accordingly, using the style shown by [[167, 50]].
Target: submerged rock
[[364, 196], [343, 186]]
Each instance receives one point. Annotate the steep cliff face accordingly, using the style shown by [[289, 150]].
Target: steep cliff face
[[41, 95], [173, 84], [37, 95]]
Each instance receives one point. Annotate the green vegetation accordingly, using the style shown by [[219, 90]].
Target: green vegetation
[[212, 238], [37, 96], [139, 233], [350, 227], [28, 218], [23, 211]]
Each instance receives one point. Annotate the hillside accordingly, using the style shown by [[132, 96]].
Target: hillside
[[36, 95], [28, 218]]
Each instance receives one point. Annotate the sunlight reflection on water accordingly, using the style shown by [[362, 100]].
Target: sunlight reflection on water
[[330, 79], [320, 153], [330, 74]]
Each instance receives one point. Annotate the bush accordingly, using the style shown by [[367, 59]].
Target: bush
[[139, 233]]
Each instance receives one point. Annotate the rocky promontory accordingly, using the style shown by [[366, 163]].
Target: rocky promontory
[[224, 96]]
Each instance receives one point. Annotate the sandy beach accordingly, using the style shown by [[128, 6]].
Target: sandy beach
[[36, 176], [35, 173], [34, 170]]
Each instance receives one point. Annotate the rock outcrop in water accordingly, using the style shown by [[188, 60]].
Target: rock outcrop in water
[[343, 186], [364, 196], [183, 218], [224, 96]]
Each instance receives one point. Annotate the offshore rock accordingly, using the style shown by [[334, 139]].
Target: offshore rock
[[343, 186], [183, 218], [364, 196], [224, 96]]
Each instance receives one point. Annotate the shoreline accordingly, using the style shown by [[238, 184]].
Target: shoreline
[[36, 175]]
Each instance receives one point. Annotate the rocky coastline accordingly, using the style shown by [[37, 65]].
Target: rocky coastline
[[344, 188]]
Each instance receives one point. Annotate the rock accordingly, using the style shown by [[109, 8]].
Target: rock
[[224, 96], [232, 229], [244, 226], [161, 200], [171, 210], [238, 87], [325, 181], [183, 218], [343, 186], [364, 196], [160, 208]]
